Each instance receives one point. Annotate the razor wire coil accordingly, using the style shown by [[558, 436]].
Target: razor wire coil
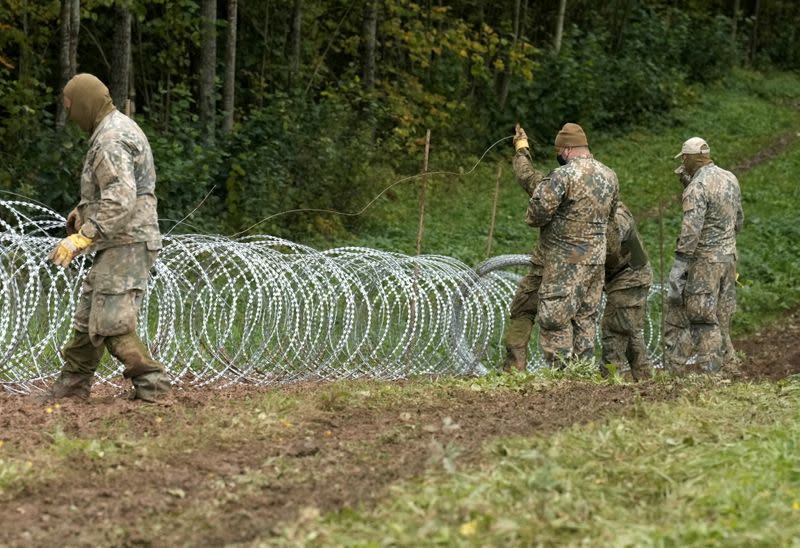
[[264, 310]]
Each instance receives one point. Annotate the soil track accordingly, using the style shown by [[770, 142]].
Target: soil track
[[773, 353], [204, 470], [231, 484]]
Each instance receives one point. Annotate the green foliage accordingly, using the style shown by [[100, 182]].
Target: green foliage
[[721, 471], [65, 446], [769, 265], [325, 141], [294, 155], [12, 474]]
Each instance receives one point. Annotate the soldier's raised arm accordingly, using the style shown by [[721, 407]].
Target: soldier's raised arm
[[527, 175]]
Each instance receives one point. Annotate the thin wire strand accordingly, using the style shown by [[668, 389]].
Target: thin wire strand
[[377, 196], [192, 211]]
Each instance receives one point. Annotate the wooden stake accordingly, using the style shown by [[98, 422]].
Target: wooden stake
[[494, 210], [412, 313], [661, 265], [423, 192]]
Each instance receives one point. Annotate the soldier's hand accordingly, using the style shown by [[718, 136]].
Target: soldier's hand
[[677, 281], [683, 176], [73, 222], [68, 248], [520, 138]]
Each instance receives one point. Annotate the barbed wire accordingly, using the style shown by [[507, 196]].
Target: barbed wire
[[263, 310]]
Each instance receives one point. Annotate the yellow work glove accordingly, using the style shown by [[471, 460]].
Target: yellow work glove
[[520, 138], [69, 247]]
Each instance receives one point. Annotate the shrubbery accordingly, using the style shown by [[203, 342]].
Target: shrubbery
[[330, 145]]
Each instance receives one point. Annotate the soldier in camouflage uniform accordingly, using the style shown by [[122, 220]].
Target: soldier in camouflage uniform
[[526, 299], [628, 279], [116, 218], [572, 206], [702, 281]]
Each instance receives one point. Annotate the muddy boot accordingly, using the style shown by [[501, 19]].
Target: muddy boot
[[641, 372], [676, 368], [732, 368], [516, 360], [151, 387], [70, 385], [516, 341]]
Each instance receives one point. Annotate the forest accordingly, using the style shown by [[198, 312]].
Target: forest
[[271, 105]]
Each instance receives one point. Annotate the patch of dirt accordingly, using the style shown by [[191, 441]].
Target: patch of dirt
[[211, 479], [767, 153], [774, 352]]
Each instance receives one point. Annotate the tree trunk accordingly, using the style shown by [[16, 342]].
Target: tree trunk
[[66, 73], [230, 69], [524, 19], [68, 62], [505, 78], [736, 6], [370, 26], [754, 36], [24, 47], [294, 50], [208, 61], [121, 58], [264, 51], [74, 31], [131, 106], [562, 9], [144, 81]]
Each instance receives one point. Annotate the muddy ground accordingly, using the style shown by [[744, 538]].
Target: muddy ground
[[227, 466]]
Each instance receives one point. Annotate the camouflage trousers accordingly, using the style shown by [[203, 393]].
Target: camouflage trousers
[[107, 311], [569, 298], [523, 314], [697, 331], [623, 340]]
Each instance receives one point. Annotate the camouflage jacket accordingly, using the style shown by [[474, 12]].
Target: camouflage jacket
[[118, 202], [712, 216], [627, 264], [573, 205]]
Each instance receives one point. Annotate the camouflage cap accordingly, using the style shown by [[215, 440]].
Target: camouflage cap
[[571, 135], [695, 145]]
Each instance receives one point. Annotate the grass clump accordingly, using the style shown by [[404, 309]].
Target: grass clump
[[718, 468], [65, 446], [12, 474]]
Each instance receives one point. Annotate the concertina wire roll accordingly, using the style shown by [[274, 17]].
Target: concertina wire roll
[[263, 310]]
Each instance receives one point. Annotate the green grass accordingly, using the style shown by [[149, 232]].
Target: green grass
[[13, 472], [721, 467]]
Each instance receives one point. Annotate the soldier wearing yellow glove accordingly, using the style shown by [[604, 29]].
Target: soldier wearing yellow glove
[[525, 303], [116, 218]]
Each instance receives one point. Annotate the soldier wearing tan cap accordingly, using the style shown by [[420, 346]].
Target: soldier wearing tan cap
[[572, 207], [702, 281]]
